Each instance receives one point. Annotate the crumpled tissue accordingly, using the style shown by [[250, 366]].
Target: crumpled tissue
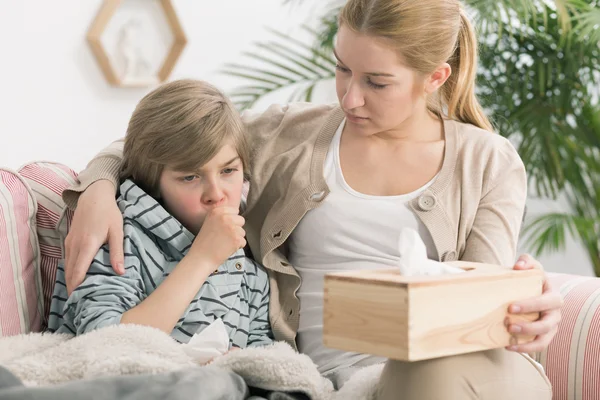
[[211, 342], [413, 257]]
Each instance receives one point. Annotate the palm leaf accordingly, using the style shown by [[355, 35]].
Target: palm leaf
[[505, 16], [284, 63], [328, 26], [321, 55], [588, 24], [548, 232]]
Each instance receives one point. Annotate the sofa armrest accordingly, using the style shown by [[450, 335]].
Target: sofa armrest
[[572, 361], [47, 181], [21, 308]]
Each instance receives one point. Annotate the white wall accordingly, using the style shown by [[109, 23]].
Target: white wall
[[56, 104]]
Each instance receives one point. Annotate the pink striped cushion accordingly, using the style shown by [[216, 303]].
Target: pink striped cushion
[[572, 360], [20, 282], [47, 181]]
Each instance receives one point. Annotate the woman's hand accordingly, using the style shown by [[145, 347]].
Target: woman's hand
[[549, 306], [97, 220]]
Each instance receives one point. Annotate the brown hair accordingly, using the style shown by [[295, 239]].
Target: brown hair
[[182, 124], [426, 34]]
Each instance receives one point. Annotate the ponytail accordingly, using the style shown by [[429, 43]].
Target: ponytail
[[458, 93]]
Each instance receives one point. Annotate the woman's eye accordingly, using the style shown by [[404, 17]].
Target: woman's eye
[[189, 178], [375, 85], [341, 69], [228, 171]]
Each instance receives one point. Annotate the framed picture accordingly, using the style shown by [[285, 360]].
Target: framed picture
[[136, 42]]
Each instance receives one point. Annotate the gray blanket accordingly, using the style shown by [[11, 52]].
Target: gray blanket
[[206, 383]]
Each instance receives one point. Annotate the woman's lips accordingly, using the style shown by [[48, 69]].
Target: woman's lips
[[355, 118]]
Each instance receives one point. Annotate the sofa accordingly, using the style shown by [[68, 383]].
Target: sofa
[[34, 223]]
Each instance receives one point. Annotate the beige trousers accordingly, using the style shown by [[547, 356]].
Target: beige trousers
[[487, 375]]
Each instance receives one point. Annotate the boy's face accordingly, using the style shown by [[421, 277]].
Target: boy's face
[[190, 195]]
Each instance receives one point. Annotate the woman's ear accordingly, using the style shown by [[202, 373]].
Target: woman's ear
[[438, 78]]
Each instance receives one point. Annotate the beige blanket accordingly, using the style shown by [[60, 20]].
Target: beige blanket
[[44, 359]]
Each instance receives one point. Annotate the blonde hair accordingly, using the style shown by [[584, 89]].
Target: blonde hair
[[182, 124], [427, 33]]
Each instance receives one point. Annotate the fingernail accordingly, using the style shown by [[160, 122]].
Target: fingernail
[[515, 329], [515, 309], [513, 348], [520, 263]]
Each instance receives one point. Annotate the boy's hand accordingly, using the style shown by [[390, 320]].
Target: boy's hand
[[221, 235]]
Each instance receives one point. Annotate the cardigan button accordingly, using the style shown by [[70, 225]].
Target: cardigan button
[[451, 255], [427, 202]]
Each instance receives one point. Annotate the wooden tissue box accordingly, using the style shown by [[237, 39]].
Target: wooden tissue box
[[414, 318]]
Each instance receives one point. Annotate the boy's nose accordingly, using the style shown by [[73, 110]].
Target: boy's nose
[[213, 196]]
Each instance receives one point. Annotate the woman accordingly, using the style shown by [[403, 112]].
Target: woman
[[408, 146]]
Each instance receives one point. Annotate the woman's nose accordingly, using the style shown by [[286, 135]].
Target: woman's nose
[[353, 97]]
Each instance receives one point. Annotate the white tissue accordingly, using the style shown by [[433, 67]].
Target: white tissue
[[413, 257], [211, 342]]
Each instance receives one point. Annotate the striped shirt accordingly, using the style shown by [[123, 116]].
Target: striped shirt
[[154, 243]]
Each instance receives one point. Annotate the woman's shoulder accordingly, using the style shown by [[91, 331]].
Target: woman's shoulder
[[481, 144], [483, 158]]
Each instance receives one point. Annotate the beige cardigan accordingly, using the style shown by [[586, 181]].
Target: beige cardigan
[[473, 209]]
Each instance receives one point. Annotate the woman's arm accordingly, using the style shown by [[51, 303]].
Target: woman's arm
[[495, 232], [97, 218], [106, 165], [493, 239]]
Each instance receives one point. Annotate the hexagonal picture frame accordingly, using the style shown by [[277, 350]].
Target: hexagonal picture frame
[[130, 41]]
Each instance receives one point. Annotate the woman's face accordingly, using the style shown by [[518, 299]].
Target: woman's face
[[376, 91]]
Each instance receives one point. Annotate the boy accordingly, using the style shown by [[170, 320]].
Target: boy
[[185, 156]]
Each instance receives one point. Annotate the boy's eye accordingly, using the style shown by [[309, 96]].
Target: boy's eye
[[189, 178], [228, 171]]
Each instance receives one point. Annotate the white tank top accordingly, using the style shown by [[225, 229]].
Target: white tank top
[[349, 230]]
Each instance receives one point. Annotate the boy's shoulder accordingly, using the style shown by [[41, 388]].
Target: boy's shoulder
[[145, 216]]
